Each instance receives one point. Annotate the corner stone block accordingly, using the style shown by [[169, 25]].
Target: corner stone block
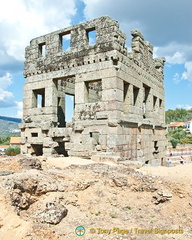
[[108, 83], [80, 92], [47, 142], [112, 94]]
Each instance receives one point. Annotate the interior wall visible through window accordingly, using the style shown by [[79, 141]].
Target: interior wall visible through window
[[93, 91]]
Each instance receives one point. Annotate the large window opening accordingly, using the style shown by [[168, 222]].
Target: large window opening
[[37, 149], [135, 95], [60, 112], [95, 136], [39, 98], [60, 150], [91, 36], [160, 103], [126, 96], [65, 41], [34, 134], [95, 139], [146, 93], [93, 91], [154, 102], [69, 107], [145, 99], [65, 91], [42, 50]]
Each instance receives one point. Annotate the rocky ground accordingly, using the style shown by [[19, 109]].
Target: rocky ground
[[42, 198]]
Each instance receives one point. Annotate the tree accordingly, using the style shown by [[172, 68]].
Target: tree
[[5, 141], [174, 142], [12, 151], [178, 115], [176, 136]]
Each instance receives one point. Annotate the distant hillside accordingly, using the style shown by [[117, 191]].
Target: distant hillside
[[9, 126], [10, 119]]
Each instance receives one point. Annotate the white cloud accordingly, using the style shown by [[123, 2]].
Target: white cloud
[[176, 78], [22, 20], [5, 81], [176, 58], [186, 106], [6, 97], [177, 54], [188, 74], [19, 109]]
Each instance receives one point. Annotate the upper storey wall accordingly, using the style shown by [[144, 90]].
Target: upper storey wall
[[142, 56], [46, 53], [108, 37]]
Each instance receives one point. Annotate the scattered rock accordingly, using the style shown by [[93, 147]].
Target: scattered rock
[[30, 163], [35, 182], [52, 212], [5, 173], [81, 186], [131, 164], [120, 182], [20, 200], [161, 197]]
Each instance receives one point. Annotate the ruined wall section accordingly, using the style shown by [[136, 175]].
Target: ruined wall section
[[143, 82], [80, 52]]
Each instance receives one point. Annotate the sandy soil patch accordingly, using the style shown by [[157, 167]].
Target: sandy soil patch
[[62, 162], [180, 173]]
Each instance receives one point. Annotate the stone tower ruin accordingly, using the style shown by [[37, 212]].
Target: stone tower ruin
[[118, 95]]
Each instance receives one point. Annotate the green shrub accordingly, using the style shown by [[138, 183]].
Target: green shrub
[[186, 140], [17, 150], [128, 207], [12, 151], [97, 213], [174, 142], [178, 135]]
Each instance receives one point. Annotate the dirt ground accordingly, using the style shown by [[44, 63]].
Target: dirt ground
[[179, 173], [109, 208]]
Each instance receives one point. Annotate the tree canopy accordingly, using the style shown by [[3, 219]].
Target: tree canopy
[[178, 115], [5, 141]]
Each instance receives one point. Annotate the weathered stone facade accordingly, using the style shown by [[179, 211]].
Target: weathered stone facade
[[119, 95]]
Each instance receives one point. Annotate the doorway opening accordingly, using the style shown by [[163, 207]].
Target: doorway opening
[[60, 150], [37, 149]]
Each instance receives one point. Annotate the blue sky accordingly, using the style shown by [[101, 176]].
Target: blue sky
[[166, 24]]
